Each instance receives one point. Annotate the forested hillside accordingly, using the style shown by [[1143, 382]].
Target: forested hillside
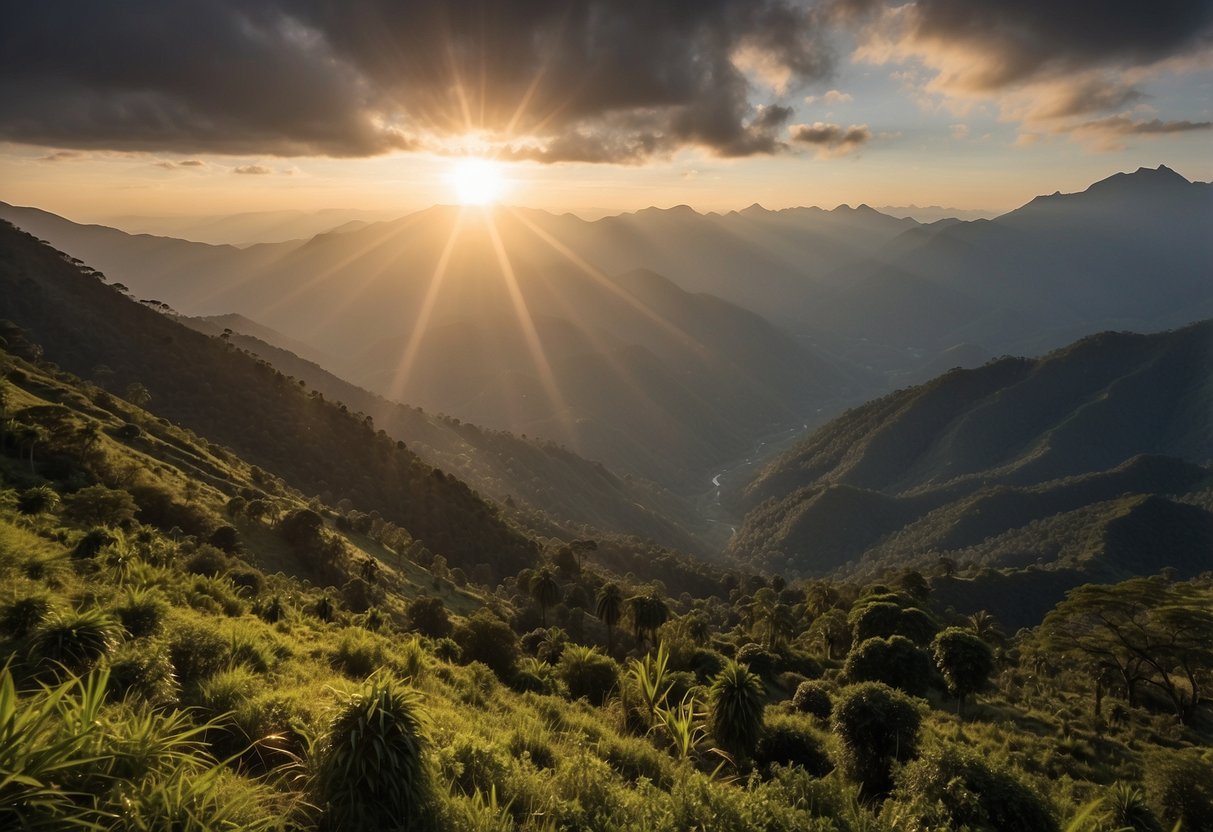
[[1091, 462]]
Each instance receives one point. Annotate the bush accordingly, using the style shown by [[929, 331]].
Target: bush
[[91, 543], [75, 641], [896, 661], [20, 617], [371, 771], [706, 664], [757, 660], [97, 505], [735, 709], [876, 726], [814, 699], [588, 673], [208, 561], [634, 758], [965, 661], [226, 539], [801, 663], [954, 788], [197, 651], [486, 638], [788, 742], [143, 671], [447, 650], [1179, 785], [142, 612], [428, 616], [359, 653]]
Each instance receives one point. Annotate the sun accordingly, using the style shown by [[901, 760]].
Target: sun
[[478, 181]]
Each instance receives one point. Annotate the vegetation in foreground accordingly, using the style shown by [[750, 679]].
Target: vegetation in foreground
[[190, 644]]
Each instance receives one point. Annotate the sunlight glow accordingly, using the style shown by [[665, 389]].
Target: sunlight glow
[[478, 181]]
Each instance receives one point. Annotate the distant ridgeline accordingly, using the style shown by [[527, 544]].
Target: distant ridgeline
[[1019, 479]]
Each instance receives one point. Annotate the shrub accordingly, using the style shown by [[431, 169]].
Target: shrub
[[588, 673], [359, 653], [802, 663], [143, 670], [706, 664], [634, 758], [371, 772], [954, 788], [788, 742], [1179, 785], [534, 744], [735, 709], [142, 612], [876, 726], [428, 616], [896, 661], [75, 641], [21, 616], [1128, 810], [757, 660], [208, 561], [226, 539], [486, 638], [447, 650], [91, 543], [812, 698], [197, 651], [97, 505]]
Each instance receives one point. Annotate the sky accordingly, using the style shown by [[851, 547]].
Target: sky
[[193, 107]]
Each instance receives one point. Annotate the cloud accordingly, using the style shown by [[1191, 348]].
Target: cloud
[[1109, 133], [61, 156], [831, 97], [959, 132], [831, 140], [185, 163], [553, 80], [252, 170], [1040, 60]]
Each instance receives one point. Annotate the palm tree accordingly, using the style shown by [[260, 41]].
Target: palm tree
[[545, 591], [648, 613], [985, 627], [609, 610], [735, 712]]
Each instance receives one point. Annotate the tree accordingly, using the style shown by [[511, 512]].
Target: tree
[[735, 705], [947, 566], [545, 591], [965, 661], [648, 613], [97, 505], [770, 620], [896, 661], [1151, 631], [486, 638], [831, 632], [580, 546], [985, 627], [876, 727], [609, 610]]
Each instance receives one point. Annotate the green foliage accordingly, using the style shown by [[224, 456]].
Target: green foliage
[[197, 651], [19, 617], [789, 741], [1179, 785], [876, 726], [142, 612], [965, 661], [813, 698], [96, 505], [359, 653], [588, 673], [953, 788], [896, 661], [1127, 809], [143, 670], [38, 500], [735, 705], [371, 771], [75, 641], [485, 638], [427, 615]]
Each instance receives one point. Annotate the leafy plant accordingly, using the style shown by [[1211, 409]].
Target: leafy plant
[[735, 702]]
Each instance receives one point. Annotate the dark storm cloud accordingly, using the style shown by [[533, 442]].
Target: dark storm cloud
[[1071, 58], [1021, 40], [588, 80]]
